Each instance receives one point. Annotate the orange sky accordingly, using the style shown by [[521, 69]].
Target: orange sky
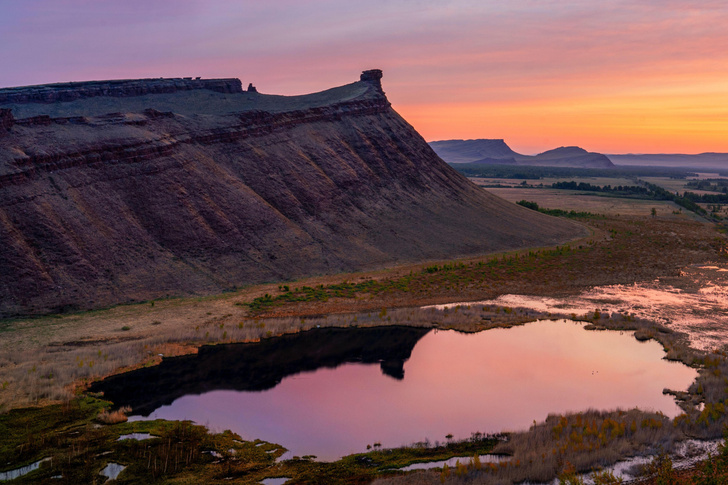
[[613, 76]]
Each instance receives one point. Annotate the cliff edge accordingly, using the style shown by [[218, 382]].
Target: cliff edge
[[107, 199]]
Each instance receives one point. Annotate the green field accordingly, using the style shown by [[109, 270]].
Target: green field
[[585, 202]]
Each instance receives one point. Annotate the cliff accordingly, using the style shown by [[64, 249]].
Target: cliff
[[63, 92], [498, 152], [107, 199]]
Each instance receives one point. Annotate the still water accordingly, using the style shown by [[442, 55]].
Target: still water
[[341, 389]]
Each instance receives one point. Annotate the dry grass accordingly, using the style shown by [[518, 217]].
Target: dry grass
[[114, 417], [52, 373], [585, 441]]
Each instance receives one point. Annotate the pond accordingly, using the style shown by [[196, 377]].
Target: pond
[[331, 392]]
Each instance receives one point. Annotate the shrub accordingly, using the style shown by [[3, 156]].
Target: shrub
[[114, 417]]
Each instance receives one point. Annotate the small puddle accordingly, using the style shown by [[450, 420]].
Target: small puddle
[[452, 462], [112, 470], [136, 436], [23, 470], [275, 481], [687, 454]]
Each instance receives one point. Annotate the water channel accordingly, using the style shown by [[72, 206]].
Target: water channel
[[330, 392]]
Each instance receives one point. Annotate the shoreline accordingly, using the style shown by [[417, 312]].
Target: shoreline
[[84, 347]]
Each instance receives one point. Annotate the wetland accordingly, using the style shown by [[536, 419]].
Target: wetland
[[332, 392], [231, 362]]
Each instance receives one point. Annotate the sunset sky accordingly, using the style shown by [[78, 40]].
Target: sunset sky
[[614, 76]]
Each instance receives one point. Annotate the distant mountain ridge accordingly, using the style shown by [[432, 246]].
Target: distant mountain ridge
[[497, 151], [700, 160]]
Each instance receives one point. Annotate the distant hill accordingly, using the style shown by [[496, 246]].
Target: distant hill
[[468, 151], [497, 151], [701, 160]]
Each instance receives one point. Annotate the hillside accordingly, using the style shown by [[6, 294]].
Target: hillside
[[497, 151], [124, 191], [468, 151]]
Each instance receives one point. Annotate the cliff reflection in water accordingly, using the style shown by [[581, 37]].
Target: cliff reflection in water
[[261, 365], [319, 399]]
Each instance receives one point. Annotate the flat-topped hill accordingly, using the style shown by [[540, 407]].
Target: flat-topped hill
[[498, 152], [180, 96], [107, 199]]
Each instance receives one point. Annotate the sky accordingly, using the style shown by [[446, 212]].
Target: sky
[[613, 76]]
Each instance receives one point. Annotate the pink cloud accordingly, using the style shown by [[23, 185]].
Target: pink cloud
[[434, 53]]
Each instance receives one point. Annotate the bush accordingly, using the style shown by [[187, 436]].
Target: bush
[[528, 204], [114, 417]]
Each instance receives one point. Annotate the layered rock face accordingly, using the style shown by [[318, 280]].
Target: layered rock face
[[103, 201], [63, 92]]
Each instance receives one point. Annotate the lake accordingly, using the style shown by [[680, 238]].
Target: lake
[[331, 392]]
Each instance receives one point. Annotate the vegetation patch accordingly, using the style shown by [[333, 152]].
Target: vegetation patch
[[431, 278], [559, 212], [633, 249], [79, 447]]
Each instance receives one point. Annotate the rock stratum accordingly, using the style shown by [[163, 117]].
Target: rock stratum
[[498, 152], [123, 191]]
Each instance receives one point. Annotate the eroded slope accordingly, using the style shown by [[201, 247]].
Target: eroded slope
[[97, 209]]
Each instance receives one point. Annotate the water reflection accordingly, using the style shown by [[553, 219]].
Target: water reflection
[[260, 366], [501, 379]]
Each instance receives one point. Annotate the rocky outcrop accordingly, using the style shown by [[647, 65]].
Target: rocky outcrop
[[98, 209], [6, 119], [374, 77], [64, 92]]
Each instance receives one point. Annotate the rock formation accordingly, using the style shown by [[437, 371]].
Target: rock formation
[[6, 119], [60, 92], [108, 198], [374, 77]]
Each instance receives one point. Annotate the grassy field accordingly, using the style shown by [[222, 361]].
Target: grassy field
[[597, 204], [673, 185], [547, 181]]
